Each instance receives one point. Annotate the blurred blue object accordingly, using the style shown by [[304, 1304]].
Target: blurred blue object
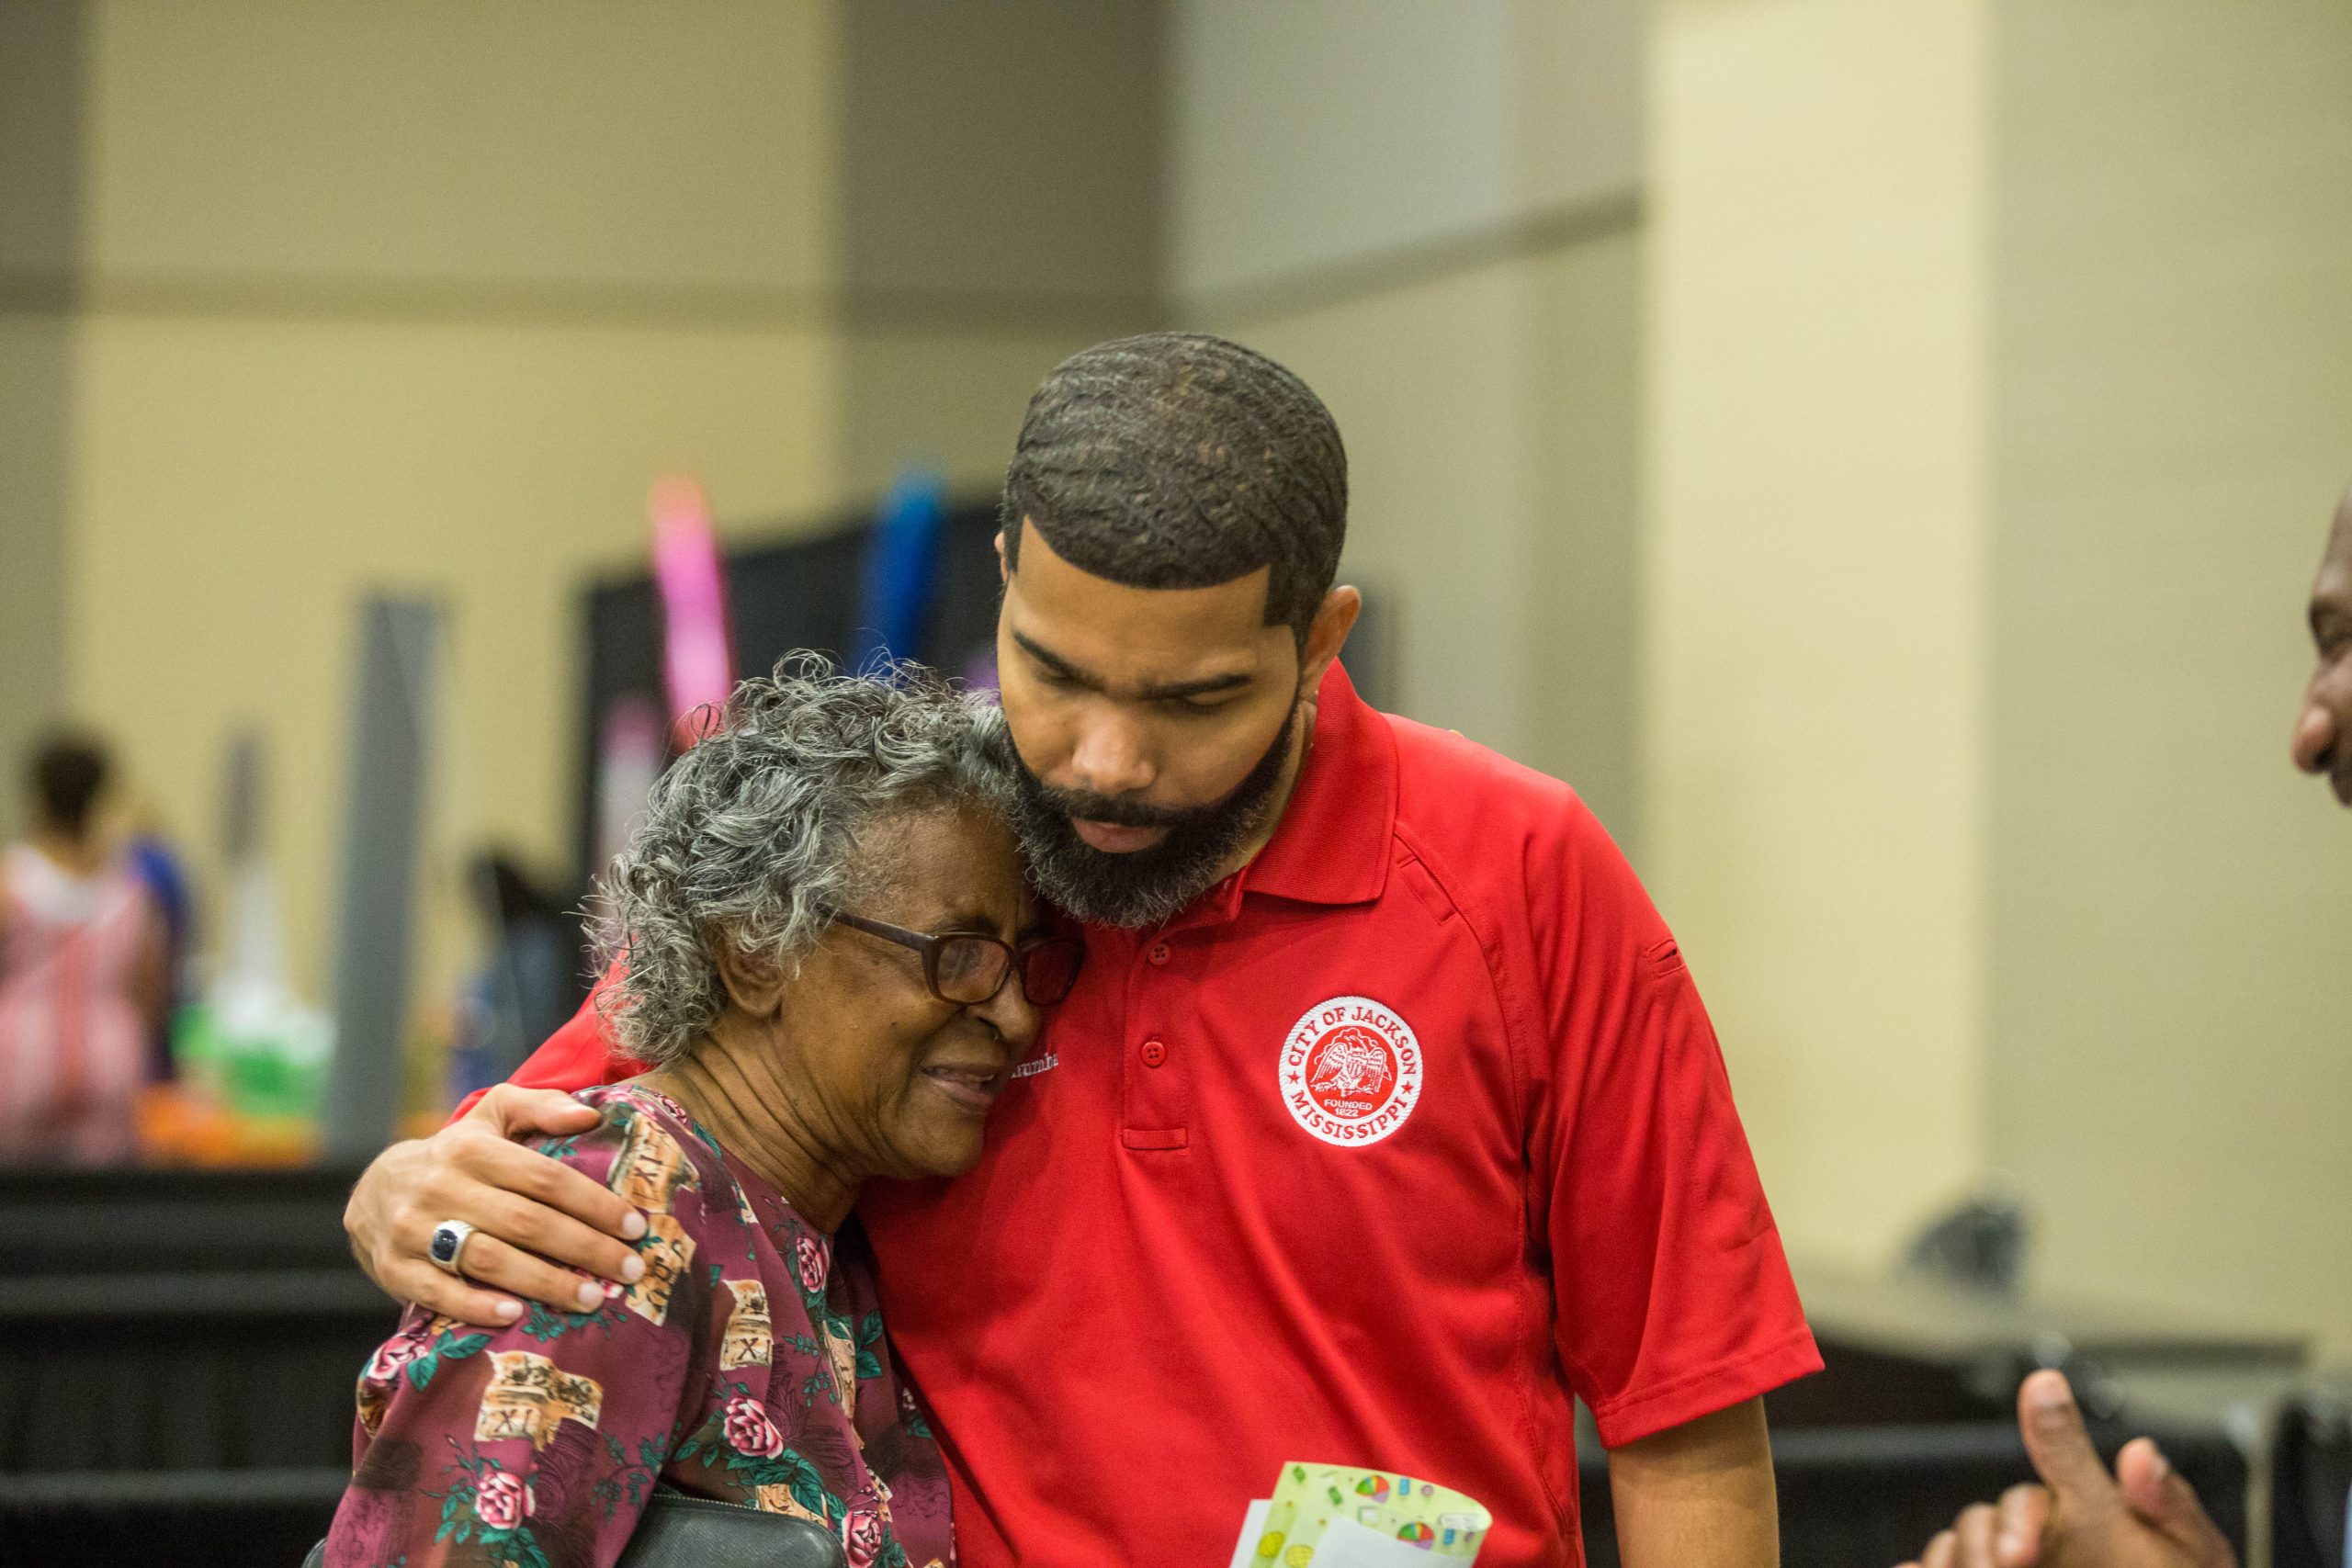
[[902, 575]]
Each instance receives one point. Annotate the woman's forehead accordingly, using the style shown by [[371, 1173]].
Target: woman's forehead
[[947, 862]]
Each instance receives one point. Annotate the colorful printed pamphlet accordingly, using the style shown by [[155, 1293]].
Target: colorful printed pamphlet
[[1331, 1516]]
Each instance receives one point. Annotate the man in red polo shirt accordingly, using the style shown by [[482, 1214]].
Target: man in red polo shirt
[[1385, 1119]]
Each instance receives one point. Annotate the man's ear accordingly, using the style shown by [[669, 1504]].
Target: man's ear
[[1004, 567], [1327, 634], [753, 983]]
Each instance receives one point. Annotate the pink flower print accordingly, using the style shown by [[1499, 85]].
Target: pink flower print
[[862, 1538], [750, 1431], [809, 1253], [501, 1500], [394, 1354]]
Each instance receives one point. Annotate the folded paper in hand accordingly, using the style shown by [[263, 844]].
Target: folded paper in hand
[[1331, 1516]]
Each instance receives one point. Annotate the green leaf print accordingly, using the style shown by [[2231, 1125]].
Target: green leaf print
[[516, 1548], [791, 1470], [544, 1325]]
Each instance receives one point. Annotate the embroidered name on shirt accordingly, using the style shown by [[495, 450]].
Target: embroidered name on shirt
[[1031, 1068], [1351, 1071]]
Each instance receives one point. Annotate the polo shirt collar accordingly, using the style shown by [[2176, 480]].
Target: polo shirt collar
[[1332, 846]]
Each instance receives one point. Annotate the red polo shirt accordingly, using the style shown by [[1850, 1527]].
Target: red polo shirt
[[1396, 1141]]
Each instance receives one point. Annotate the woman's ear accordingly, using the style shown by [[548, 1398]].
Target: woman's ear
[[754, 982]]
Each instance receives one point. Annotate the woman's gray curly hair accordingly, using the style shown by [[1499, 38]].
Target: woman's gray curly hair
[[750, 838]]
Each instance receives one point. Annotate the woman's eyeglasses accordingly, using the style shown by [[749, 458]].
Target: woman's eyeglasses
[[968, 969]]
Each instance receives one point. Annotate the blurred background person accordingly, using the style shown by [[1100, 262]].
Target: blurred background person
[[83, 972]]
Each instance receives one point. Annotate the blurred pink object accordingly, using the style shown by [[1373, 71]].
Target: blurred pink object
[[697, 653]]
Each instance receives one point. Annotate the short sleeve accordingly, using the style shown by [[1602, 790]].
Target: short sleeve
[[1673, 1295], [535, 1446]]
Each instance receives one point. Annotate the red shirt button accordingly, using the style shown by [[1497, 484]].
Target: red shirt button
[[1154, 1053], [1159, 950]]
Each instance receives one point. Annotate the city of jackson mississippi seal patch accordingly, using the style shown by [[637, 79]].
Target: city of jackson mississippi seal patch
[[1351, 1071]]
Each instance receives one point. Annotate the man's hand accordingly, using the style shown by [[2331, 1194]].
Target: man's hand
[[526, 1210], [2144, 1516]]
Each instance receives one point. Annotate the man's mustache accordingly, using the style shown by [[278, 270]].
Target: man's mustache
[[1121, 811]]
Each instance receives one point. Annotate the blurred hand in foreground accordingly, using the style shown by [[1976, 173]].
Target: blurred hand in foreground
[[2144, 1516], [531, 1215]]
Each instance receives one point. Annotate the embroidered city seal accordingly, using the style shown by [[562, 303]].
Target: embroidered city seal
[[1351, 1071]]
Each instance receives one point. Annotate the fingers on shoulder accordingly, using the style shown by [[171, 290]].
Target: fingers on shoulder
[[530, 1174], [435, 1291], [490, 1262]]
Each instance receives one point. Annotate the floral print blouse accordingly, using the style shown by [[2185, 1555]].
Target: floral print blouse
[[747, 1365]]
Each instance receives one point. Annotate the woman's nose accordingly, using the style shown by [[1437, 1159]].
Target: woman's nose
[[1010, 1013]]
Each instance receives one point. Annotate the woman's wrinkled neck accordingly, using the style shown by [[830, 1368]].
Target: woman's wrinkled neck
[[729, 1080]]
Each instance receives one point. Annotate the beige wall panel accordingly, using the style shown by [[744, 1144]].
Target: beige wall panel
[[1431, 391], [583, 141], [950, 404], [35, 381], [2171, 1075], [1010, 150], [1578, 87], [41, 168], [1320, 130], [1813, 631], [1583, 589], [240, 486], [1324, 131]]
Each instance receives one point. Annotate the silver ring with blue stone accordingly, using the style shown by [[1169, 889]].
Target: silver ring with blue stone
[[449, 1248]]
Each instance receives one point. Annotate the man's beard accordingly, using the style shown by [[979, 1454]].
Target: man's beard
[[1146, 886]]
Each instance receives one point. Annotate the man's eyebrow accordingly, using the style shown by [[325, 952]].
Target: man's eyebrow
[[1164, 691], [1171, 690], [1052, 661]]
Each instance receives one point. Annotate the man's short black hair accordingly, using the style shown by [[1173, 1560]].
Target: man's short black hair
[[1181, 460], [69, 772]]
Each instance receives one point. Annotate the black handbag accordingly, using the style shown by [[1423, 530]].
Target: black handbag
[[683, 1531]]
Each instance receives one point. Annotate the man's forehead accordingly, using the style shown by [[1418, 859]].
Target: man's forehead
[[1147, 633]]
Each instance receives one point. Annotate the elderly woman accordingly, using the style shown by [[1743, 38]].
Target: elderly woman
[[828, 959]]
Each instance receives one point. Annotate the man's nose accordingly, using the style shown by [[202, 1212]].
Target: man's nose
[[1110, 759], [2315, 744]]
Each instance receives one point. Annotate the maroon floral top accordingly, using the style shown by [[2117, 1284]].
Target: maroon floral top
[[747, 1365]]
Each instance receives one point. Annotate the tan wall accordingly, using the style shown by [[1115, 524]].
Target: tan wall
[[1813, 671], [40, 236], [2172, 939], [420, 298], [242, 484], [1999, 394], [1432, 217]]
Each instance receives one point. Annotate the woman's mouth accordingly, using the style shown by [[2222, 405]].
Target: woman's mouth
[[1113, 839], [970, 1089]]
